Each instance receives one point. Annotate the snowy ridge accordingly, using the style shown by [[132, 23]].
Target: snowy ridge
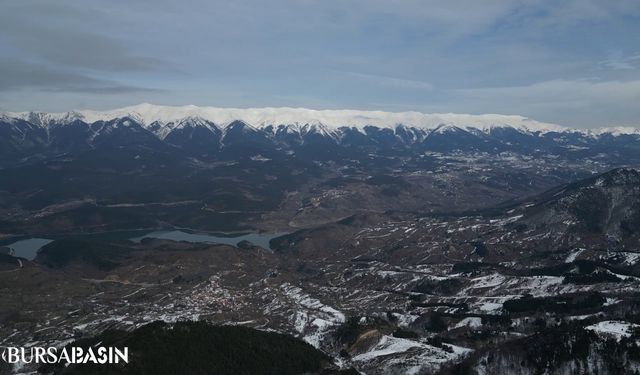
[[146, 114], [616, 131], [321, 121], [166, 128]]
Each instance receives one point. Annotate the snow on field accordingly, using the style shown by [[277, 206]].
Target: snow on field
[[304, 300], [488, 281], [584, 316], [613, 328], [611, 301], [630, 258], [386, 346], [505, 221], [316, 331], [403, 356], [572, 257], [404, 320], [496, 284], [490, 307], [487, 305], [471, 322], [538, 286], [311, 318]]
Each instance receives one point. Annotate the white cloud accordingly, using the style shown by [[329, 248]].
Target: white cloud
[[622, 63], [393, 82], [562, 91], [578, 102]]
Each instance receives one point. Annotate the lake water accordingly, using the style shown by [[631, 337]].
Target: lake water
[[28, 248], [259, 239]]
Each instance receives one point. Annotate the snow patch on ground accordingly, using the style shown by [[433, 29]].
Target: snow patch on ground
[[311, 318], [489, 281], [490, 307], [572, 257], [471, 322], [403, 356], [386, 346], [630, 258], [405, 320], [613, 328]]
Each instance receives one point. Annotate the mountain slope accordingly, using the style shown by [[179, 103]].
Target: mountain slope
[[606, 204]]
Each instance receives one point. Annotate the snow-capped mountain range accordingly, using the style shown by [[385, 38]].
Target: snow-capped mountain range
[[315, 134], [147, 114]]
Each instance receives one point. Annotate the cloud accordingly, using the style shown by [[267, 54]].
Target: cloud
[[30, 29], [511, 56], [559, 92], [107, 88], [622, 63], [576, 103], [19, 75], [570, 12], [392, 82], [60, 47]]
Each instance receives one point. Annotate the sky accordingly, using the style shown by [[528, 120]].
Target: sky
[[570, 62]]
